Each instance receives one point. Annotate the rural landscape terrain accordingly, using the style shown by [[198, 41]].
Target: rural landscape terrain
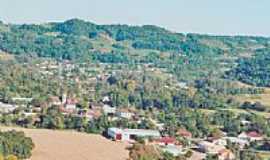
[[78, 90]]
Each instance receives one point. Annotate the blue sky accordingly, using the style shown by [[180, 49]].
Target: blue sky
[[233, 17]]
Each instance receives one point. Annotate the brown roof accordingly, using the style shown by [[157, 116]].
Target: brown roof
[[184, 133]]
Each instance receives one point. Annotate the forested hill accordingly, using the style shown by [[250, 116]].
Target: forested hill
[[74, 38], [255, 70], [85, 41]]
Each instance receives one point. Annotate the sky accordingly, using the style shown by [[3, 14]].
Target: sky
[[220, 17]]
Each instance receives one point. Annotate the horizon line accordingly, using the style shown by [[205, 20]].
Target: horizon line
[[139, 25]]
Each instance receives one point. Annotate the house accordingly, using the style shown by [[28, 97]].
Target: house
[[7, 108], [130, 135], [245, 123], [90, 114], [54, 101], [164, 141], [225, 154], [125, 113], [241, 142], [197, 155], [184, 133], [251, 136], [208, 147], [106, 99], [21, 99], [217, 141], [174, 150], [71, 104], [183, 85], [108, 110]]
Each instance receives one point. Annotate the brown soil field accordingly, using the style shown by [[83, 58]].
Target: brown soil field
[[71, 145]]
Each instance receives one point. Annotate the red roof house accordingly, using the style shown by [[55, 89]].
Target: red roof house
[[163, 141]]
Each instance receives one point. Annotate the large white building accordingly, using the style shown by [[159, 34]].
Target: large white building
[[131, 134]]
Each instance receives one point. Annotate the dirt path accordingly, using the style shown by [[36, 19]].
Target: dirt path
[[71, 145]]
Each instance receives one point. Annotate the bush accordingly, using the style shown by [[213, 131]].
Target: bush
[[15, 145]]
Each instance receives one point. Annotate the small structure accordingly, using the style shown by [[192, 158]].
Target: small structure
[[55, 101], [7, 108], [174, 150], [125, 113], [217, 141], [184, 133], [211, 148], [131, 134], [225, 154], [21, 99], [71, 104], [241, 142], [108, 110], [164, 141], [183, 85], [251, 136], [106, 99]]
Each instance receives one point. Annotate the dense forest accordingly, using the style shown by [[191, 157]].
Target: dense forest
[[255, 70]]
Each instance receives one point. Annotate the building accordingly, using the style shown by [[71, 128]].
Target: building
[[125, 113], [55, 101], [251, 136], [108, 110], [131, 134], [211, 148], [225, 154], [184, 133], [164, 141], [174, 150], [21, 99], [241, 142], [106, 99], [7, 108], [71, 104]]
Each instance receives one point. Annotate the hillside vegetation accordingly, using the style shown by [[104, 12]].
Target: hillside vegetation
[[187, 55]]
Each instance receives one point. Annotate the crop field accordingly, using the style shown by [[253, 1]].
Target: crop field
[[71, 145]]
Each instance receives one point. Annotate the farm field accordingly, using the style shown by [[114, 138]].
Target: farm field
[[262, 98], [56, 145]]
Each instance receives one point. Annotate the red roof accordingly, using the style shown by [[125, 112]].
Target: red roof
[[167, 140], [254, 134], [72, 101]]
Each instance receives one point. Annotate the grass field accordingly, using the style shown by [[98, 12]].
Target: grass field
[[71, 145], [262, 98]]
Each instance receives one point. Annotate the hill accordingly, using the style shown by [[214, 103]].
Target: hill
[[79, 40]]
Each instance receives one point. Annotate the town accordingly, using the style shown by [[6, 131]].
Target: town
[[128, 124], [152, 93]]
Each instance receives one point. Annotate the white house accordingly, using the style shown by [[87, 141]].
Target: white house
[[106, 99], [174, 150], [108, 109], [130, 134], [124, 114], [239, 141], [7, 108]]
